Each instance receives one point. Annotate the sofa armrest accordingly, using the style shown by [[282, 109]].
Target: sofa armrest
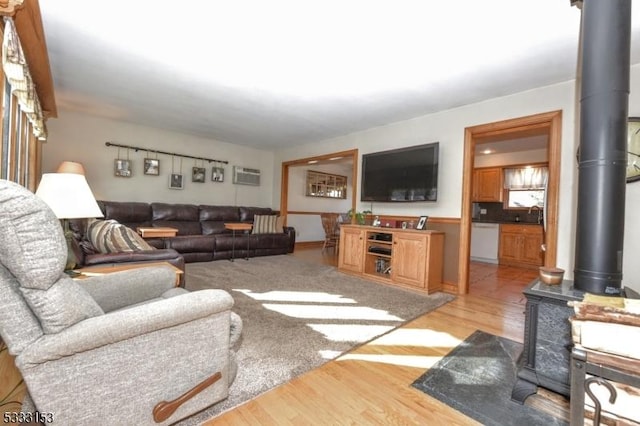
[[119, 289], [289, 230], [133, 256], [126, 324]]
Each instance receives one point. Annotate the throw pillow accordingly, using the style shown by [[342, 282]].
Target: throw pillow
[[265, 224], [280, 224], [109, 236]]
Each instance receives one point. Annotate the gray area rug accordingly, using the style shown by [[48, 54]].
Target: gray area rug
[[298, 315], [476, 378]]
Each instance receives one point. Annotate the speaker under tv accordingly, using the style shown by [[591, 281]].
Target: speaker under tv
[[401, 175]]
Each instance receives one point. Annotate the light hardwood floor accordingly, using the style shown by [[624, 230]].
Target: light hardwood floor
[[371, 384]]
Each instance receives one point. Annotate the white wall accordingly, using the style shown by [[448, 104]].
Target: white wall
[[81, 138], [448, 128], [309, 227]]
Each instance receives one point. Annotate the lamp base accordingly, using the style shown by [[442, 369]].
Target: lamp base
[[72, 260]]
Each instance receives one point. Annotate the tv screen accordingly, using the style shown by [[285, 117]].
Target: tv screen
[[401, 175]]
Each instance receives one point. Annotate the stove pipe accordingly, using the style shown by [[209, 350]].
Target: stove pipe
[[604, 104]]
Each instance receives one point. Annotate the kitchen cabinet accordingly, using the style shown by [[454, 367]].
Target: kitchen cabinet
[[405, 257], [351, 255], [521, 245], [487, 185]]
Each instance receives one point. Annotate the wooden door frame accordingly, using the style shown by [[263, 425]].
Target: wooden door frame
[[552, 122], [284, 180]]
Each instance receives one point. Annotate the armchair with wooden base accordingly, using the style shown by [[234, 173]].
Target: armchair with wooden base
[[122, 348]]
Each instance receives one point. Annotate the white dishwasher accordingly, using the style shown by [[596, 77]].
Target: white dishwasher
[[484, 242]]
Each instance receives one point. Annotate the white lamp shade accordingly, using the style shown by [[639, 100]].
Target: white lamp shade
[[68, 195]]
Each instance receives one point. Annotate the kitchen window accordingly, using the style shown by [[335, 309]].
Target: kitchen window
[[525, 187]]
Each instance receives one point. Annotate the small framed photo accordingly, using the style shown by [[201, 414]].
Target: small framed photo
[[175, 181], [197, 174], [217, 174], [122, 168], [422, 223], [151, 166]]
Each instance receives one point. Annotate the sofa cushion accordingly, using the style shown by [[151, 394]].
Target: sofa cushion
[[175, 212], [109, 236], [219, 213], [126, 211], [184, 227], [210, 227], [265, 224], [247, 213], [192, 243]]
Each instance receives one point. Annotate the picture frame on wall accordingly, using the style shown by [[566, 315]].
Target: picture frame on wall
[[122, 168], [217, 174], [422, 223], [197, 174], [152, 166], [176, 181]]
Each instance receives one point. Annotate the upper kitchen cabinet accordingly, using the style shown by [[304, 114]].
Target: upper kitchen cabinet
[[487, 185]]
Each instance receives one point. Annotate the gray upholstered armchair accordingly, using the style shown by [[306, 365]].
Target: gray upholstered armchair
[[122, 348]]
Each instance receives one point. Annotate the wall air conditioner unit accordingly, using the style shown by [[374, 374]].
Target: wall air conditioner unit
[[246, 176]]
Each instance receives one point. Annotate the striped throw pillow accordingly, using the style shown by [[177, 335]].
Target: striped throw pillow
[[109, 236], [265, 224]]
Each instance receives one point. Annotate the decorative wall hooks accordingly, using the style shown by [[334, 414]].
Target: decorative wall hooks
[[137, 148]]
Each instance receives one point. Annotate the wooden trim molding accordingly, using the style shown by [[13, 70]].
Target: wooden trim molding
[[284, 182], [549, 123], [308, 244], [28, 21]]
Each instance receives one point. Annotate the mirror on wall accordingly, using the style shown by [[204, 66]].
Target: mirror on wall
[[327, 185]]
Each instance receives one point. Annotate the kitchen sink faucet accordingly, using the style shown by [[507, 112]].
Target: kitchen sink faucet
[[539, 213]]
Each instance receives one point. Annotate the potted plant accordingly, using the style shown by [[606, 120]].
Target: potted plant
[[360, 216]]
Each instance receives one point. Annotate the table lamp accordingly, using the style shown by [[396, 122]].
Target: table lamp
[[69, 196]]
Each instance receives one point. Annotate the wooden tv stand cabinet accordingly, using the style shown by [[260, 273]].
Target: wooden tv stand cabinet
[[408, 258]]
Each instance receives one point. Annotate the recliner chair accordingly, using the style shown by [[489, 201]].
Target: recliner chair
[[122, 348]]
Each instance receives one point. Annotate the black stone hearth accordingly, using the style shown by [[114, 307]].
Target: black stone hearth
[[547, 340], [476, 379]]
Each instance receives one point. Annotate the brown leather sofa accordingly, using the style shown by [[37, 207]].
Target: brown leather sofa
[[201, 233]]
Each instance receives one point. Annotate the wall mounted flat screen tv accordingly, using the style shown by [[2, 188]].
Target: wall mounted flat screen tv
[[401, 175]]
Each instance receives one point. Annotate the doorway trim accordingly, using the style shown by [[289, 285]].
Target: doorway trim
[[552, 123], [284, 181]]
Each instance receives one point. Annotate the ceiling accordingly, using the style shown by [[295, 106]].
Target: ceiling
[[277, 73]]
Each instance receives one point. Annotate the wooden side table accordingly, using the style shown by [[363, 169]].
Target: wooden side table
[[159, 232], [89, 271], [238, 227]]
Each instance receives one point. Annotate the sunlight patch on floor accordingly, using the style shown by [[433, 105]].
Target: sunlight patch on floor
[[418, 361], [327, 354], [296, 296], [418, 337], [332, 312], [350, 332]]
